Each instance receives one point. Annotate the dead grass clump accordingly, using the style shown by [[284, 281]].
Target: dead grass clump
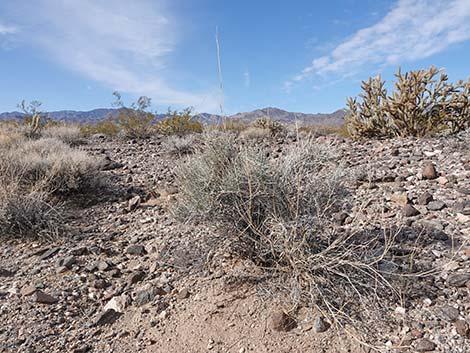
[[280, 214], [9, 137], [35, 175], [67, 133], [29, 214], [180, 145], [50, 165], [233, 125], [318, 129], [255, 133]]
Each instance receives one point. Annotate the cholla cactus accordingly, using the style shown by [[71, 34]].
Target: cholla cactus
[[35, 124], [275, 128], [367, 118], [417, 106], [423, 103], [32, 118]]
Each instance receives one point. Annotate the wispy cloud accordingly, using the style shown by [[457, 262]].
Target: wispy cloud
[[4, 29], [411, 30], [123, 44], [247, 78]]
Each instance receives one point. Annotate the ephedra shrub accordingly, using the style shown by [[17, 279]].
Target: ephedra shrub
[[280, 214], [423, 103]]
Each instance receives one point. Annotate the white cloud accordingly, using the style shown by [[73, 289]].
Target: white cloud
[[122, 44], [411, 30]]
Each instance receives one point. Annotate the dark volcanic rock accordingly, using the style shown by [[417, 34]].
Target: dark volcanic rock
[[136, 250], [424, 198], [410, 211], [282, 322], [458, 279], [425, 345], [5, 273], [429, 171], [107, 317], [43, 298], [49, 253], [436, 205]]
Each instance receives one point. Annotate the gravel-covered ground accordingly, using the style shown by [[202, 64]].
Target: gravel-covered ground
[[128, 277]]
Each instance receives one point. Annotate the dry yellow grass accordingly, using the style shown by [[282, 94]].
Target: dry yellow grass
[[34, 174], [254, 132]]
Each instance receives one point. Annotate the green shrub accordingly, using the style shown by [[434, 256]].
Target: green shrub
[[422, 104], [179, 123], [318, 129]]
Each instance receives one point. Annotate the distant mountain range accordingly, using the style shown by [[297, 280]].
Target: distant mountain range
[[335, 118]]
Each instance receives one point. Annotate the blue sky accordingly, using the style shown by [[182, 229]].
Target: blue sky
[[299, 55]]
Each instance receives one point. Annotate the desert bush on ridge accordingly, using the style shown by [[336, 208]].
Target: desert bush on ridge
[[280, 214], [422, 104]]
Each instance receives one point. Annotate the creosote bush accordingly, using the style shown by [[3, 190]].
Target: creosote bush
[[280, 214], [107, 126], [423, 103], [179, 123], [135, 121]]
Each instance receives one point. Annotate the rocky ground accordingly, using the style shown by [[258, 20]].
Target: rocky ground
[[130, 278]]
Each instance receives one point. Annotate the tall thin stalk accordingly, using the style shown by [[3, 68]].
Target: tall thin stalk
[[221, 103]]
